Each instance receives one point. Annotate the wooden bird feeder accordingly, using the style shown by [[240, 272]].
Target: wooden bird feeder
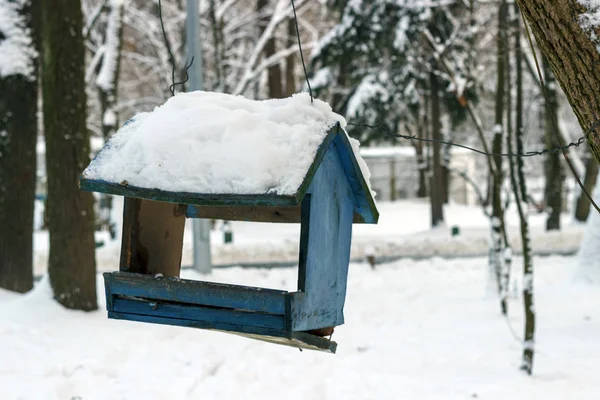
[[332, 194]]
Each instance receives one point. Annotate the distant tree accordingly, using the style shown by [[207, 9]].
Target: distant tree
[[554, 170], [519, 188], [582, 208], [274, 71], [106, 62], [19, 25], [71, 263]]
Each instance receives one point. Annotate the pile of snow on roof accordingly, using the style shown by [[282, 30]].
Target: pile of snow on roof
[[215, 143]]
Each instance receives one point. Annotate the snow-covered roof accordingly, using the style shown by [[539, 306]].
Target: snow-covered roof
[[219, 144]]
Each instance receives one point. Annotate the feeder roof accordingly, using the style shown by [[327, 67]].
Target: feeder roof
[[214, 148]]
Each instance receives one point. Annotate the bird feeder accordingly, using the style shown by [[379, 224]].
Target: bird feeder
[[217, 156]]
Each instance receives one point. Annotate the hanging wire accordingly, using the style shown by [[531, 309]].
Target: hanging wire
[[384, 129], [186, 67], [562, 148], [449, 143], [301, 54]]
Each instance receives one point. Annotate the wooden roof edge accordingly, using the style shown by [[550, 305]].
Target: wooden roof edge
[[201, 199]]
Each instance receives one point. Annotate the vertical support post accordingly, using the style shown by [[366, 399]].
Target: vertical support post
[[201, 228]]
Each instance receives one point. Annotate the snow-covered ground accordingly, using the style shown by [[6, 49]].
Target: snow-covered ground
[[403, 231], [414, 330]]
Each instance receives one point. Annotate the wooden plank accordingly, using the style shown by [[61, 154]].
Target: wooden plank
[[198, 313], [108, 294], [152, 237], [130, 212], [206, 199], [304, 235], [321, 303], [365, 204], [195, 292], [246, 213], [293, 339]]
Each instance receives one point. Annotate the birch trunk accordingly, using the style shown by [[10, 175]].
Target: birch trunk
[[520, 191]]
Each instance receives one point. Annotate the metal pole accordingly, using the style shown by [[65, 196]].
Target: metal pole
[[200, 227]]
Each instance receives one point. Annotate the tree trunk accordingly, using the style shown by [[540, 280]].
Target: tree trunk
[[421, 163], [553, 167], [107, 83], [507, 253], [18, 136], [274, 71], [446, 174], [582, 209], [520, 193], [573, 56], [71, 263], [219, 50], [497, 209], [108, 76], [290, 61], [437, 190]]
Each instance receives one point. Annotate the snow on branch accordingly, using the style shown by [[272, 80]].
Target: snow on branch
[[282, 11], [106, 77], [590, 20], [17, 53]]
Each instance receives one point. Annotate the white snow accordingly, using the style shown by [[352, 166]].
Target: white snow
[[206, 142], [414, 330], [401, 38], [109, 118], [403, 231], [16, 48], [589, 253], [321, 78], [368, 89], [107, 74], [590, 20]]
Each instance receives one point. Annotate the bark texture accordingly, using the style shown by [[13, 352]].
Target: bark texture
[[573, 57], [18, 135], [71, 263]]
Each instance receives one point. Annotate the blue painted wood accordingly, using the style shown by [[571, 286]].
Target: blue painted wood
[[287, 338], [108, 294], [198, 313], [195, 292], [328, 252], [365, 204]]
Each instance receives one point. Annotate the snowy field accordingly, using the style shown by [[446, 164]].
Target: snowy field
[[414, 330], [403, 231]]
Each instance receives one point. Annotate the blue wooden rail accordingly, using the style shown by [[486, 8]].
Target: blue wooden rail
[[263, 314]]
